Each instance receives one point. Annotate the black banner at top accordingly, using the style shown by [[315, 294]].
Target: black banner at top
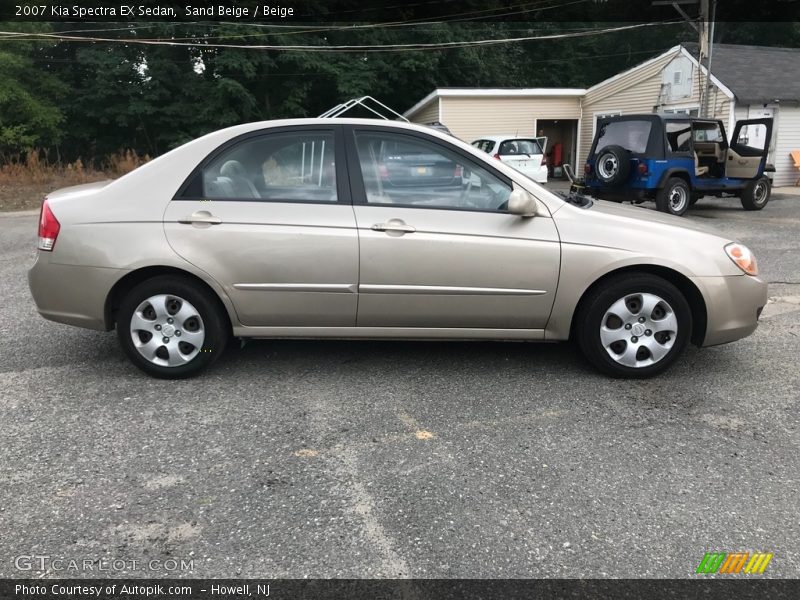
[[345, 11]]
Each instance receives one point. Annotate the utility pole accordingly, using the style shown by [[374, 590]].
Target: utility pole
[[707, 27], [704, 26]]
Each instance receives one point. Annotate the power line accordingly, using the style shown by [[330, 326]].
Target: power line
[[345, 48]]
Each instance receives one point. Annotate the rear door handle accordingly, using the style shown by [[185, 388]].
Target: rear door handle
[[201, 217], [395, 225]]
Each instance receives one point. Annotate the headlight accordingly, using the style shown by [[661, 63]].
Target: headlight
[[744, 259]]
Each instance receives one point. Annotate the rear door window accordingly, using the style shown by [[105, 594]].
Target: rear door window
[[274, 167], [631, 135]]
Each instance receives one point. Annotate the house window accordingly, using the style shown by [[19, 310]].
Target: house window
[[689, 111], [677, 77]]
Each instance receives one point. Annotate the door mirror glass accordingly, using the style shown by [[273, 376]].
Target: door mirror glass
[[522, 203]]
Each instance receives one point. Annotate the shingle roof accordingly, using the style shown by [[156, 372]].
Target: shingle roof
[[756, 74]]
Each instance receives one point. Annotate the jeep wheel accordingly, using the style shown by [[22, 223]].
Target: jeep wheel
[[613, 165], [755, 194], [674, 197]]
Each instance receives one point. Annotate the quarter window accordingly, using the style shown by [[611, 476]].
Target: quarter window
[[679, 135], [405, 170], [278, 167]]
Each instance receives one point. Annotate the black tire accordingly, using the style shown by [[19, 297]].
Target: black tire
[[212, 323], [613, 165], [756, 193], [674, 197], [597, 304]]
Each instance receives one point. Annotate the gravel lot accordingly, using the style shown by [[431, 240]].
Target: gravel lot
[[366, 459]]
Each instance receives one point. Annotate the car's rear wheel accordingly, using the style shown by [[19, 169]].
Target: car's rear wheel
[[674, 198], [635, 325], [756, 193], [171, 328]]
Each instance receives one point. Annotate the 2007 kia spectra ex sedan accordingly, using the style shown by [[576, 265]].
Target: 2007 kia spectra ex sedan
[[354, 228]]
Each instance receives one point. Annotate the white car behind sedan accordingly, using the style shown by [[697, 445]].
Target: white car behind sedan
[[525, 154]]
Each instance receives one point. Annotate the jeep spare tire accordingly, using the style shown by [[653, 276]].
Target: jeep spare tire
[[613, 165]]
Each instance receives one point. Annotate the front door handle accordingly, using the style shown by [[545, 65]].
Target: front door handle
[[394, 225], [201, 217]]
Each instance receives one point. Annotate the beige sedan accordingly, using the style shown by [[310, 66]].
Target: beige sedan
[[349, 228]]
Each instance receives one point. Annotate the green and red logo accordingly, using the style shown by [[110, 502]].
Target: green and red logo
[[734, 562]]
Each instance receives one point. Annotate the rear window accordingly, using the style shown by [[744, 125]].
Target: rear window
[[483, 145], [520, 147], [631, 135]]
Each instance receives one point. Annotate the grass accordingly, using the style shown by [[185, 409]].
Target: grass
[[26, 179]]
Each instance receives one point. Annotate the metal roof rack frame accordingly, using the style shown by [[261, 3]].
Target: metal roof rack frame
[[340, 109]]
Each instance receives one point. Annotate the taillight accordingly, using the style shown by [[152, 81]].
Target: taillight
[[497, 156], [587, 168], [48, 228], [642, 168]]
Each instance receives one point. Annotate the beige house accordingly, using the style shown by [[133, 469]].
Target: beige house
[[746, 82], [471, 113]]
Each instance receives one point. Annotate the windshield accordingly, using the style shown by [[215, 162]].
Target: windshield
[[631, 135]]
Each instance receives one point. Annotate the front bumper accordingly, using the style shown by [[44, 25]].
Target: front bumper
[[69, 294], [733, 305]]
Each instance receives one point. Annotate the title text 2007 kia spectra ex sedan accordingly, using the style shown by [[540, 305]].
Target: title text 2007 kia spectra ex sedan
[[353, 228]]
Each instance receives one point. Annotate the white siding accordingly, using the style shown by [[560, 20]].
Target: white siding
[[788, 140], [427, 114], [472, 118]]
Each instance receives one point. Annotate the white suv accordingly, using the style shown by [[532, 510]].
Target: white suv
[[525, 154]]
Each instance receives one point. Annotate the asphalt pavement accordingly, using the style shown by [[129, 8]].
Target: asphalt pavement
[[399, 459]]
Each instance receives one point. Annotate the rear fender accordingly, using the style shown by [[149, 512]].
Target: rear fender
[[675, 172]]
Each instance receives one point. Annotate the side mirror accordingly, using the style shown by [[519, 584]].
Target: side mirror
[[522, 203]]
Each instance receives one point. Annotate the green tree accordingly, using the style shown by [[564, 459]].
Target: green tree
[[29, 114]]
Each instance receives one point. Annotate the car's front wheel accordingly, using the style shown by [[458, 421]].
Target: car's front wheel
[[674, 198], [755, 194], [170, 327], [635, 325]]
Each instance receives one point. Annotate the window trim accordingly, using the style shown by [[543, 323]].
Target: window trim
[[343, 195], [356, 178]]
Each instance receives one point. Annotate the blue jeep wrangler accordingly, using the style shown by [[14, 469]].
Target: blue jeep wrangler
[[677, 159]]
